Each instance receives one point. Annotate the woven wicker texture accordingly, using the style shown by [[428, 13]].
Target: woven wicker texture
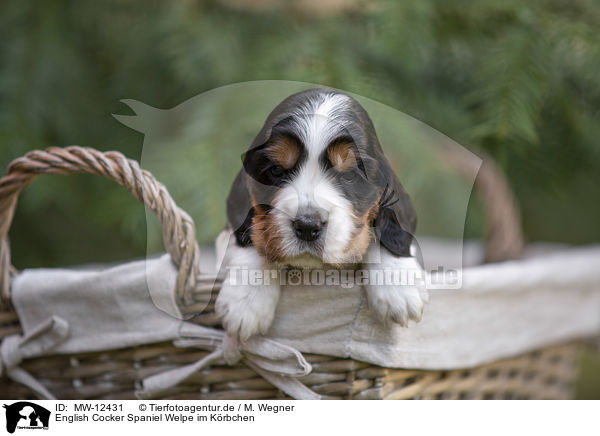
[[548, 373], [544, 374]]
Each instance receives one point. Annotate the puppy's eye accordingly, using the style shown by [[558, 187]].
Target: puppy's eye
[[276, 171], [349, 176]]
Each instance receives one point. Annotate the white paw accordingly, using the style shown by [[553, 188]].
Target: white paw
[[246, 310], [398, 303]]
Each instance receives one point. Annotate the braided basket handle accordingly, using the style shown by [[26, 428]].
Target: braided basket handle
[[503, 239], [179, 231]]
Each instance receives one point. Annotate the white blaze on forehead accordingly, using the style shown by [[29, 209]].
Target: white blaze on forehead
[[320, 120], [311, 190]]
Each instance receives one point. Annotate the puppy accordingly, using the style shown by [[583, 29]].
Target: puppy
[[317, 191]]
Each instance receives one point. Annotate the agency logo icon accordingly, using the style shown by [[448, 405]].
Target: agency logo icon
[[26, 415]]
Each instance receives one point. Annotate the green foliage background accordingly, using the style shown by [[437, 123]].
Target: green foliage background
[[517, 79]]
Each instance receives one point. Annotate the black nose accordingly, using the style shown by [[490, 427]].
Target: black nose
[[307, 228]]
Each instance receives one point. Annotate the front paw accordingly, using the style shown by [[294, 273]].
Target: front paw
[[397, 303], [246, 310]]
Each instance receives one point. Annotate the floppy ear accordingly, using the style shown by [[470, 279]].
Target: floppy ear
[[240, 210], [396, 220]]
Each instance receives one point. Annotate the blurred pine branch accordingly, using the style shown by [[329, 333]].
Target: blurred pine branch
[[517, 79]]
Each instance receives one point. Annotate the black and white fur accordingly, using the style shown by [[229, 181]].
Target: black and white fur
[[366, 218]]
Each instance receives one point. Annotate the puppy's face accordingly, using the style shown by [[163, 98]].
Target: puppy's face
[[314, 180]]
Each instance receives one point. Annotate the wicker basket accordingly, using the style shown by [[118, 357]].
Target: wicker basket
[[544, 374]]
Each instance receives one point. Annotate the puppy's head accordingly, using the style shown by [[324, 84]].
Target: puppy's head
[[319, 184]]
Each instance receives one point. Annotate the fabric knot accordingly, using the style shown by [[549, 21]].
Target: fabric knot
[[278, 363], [231, 350]]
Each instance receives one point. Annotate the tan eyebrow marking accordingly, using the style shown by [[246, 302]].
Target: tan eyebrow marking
[[342, 157], [285, 151]]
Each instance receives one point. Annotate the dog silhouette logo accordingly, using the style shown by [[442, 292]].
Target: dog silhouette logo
[[26, 415]]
